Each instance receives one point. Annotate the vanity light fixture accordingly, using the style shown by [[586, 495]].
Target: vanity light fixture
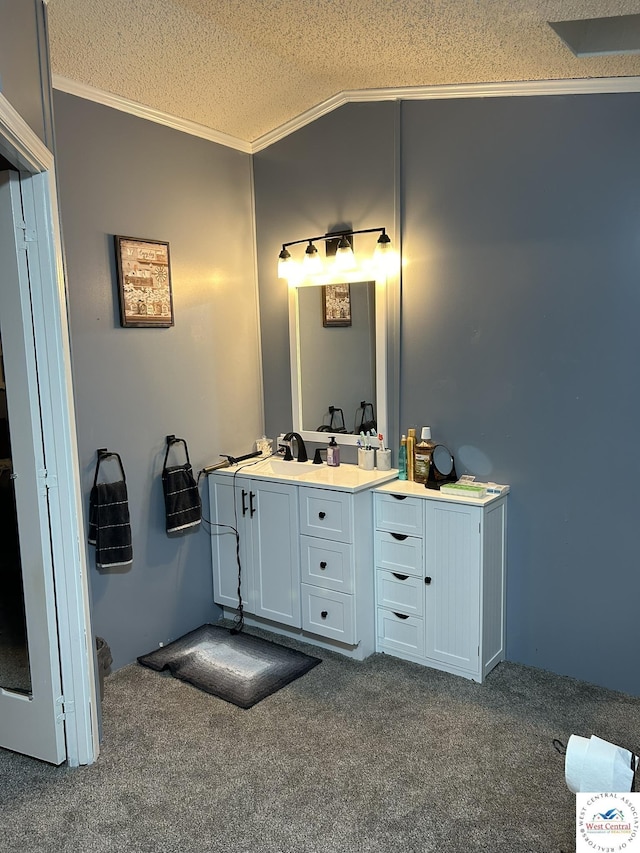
[[343, 262]]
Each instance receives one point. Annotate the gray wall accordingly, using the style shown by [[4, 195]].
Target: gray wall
[[518, 335], [23, 58], [199, 380], [520, 347]]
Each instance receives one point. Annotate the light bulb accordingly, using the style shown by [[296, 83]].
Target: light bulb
[[312, 263], [345, 259], [384, 256], [285, 264]]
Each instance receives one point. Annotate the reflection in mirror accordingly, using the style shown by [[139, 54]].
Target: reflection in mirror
[[338, 365], [443, 460], [337, 360]]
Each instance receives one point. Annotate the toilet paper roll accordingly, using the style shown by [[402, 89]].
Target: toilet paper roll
[[574, 761], [596, 765], [607, 767]]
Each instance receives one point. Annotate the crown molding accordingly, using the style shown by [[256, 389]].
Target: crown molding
[[117, 102], [525, 88], [589, 86]]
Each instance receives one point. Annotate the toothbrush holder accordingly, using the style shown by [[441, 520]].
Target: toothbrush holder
[[365, 458], [383, 459]]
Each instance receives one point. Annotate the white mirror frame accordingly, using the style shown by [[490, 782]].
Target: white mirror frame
[[381, 365]]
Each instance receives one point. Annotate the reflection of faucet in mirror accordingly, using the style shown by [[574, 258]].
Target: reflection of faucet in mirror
[[300, 446]]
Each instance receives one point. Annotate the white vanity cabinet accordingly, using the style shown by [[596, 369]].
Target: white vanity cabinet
[[306, 552], [265, 514], [440, 578]]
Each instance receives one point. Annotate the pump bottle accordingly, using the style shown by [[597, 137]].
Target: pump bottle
[[333, 453]]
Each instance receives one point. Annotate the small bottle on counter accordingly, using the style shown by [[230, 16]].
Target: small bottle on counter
[[423, 452], [402, 459], [333, 453], [411, 450]]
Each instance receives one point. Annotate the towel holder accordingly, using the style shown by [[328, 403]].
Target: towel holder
[[103, 454]]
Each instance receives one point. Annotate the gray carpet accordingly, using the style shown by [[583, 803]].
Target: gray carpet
[[378, 756]]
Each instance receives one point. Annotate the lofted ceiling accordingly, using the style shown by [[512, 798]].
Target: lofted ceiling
[[247, 67]]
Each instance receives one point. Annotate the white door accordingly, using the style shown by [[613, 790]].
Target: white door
[[452, 593], [273, 513], [31, 720], [228, 498]]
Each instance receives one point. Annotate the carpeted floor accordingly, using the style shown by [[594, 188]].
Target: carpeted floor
[[381, 755]]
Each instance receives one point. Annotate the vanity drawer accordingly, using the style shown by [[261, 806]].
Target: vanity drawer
[[326, 563], [403, 593], [329, 614], [400, 633], [325, 513], [398, 552], [399, 513]]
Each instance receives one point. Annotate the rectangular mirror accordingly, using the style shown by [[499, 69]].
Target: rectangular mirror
[[338, 358]]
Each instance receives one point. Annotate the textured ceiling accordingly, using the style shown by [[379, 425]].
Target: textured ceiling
[[246, 67]]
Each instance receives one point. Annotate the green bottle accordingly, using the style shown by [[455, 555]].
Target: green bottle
[[402, 459]]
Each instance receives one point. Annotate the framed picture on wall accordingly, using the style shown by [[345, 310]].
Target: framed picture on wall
[[336, 305], [144, 282]]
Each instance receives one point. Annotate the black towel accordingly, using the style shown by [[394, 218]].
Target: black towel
[[181, 497], [109, 524]]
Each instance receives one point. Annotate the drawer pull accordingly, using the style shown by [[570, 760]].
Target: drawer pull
[[400, 615], [400, 536], [324, 614], [427, 580], [323, 565], [399, 497], [400, 577], [321, 515]]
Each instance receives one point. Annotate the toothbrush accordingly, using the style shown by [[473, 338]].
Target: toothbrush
[[381, 440], [364, 440]]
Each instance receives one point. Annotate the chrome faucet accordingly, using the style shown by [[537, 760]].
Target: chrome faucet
[[301, 447]]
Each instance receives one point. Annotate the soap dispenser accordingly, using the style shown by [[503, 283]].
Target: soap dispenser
[[333, 453]]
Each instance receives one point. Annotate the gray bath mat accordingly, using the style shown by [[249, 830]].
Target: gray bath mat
[[238, 668]]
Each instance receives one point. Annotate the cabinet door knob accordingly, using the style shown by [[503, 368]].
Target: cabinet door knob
[[400, 577], [399, 497], [400, 536], [400, 615], [322, 514], [323, 564], [244, 502], [427, 580], [324, 614]]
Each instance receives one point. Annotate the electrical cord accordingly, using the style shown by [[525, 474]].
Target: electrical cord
[[238, 621]]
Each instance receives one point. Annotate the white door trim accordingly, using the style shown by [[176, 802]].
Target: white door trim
[[21, 146]]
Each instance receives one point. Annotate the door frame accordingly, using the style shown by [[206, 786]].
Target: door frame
[[26, 151]]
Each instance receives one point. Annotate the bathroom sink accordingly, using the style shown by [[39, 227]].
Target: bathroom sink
[[279, 468], [345, 476]]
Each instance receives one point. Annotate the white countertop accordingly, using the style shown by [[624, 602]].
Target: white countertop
[[418, 490], [346, 477]]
